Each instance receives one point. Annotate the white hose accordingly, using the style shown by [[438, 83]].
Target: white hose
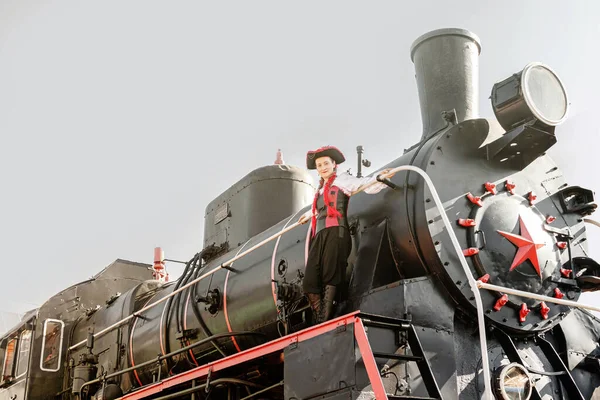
[[487, 394]]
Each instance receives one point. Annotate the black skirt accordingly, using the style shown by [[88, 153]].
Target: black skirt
[[327, 259]]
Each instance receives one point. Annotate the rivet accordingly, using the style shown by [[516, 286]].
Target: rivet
[[436, 243], [432, 162], [446, 263], [427, 200]]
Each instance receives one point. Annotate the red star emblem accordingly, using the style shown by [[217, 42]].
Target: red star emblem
[[527, 248]]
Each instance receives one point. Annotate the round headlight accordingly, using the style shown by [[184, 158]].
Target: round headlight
[[513, 382], [534, 93]]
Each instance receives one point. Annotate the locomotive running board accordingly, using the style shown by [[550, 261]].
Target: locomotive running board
[[274, 346]]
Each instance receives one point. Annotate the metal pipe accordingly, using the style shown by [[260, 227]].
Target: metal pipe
[[263, 390], [472, 283], [535, 296], [200, 387], [160, 358], [224, 265]]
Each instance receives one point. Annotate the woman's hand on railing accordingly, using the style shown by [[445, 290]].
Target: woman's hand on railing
[[304, 218], [387, 173]]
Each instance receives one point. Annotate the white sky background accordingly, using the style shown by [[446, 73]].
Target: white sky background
[[120, 121]]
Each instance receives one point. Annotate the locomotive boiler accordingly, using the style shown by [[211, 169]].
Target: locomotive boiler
[[519, 225]]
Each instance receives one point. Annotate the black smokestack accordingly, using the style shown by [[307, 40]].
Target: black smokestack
[[447, 71]]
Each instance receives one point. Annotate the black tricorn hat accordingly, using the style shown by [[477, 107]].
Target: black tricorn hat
[[325, 151]]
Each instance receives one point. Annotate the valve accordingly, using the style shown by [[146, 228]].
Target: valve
[[565, 272], [532, 197], [523, 313], [544, 310], [501, 302], [510, 187], [490, 187], [475, 199]]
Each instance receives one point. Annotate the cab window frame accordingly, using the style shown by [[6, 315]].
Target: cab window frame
[[45, 332], [9, 376], [18, 359]]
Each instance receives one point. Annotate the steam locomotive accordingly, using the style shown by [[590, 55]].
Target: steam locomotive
[[407, 326]]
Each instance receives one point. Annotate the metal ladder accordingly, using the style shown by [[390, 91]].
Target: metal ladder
[[402, 326]]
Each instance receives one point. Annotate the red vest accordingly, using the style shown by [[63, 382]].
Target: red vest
[[337, 199]]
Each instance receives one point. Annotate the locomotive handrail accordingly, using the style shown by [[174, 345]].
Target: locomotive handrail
[[212, 271], [502, 289], [487, 394]]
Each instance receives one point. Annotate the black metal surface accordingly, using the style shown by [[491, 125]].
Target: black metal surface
[[559, 365], [321, 365], [423, 363], [390, 356], [255, 203], [447, 72], [520, 146], [513, 355], [418, 355]]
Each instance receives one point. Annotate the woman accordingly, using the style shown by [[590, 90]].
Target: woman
[[331, 244]]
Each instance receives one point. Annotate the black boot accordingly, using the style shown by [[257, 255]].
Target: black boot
[[328, 298], [316, 303]]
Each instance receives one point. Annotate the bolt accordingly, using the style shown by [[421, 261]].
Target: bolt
[[446, 263], [427, 200], [430, 221], [504, 320], [437, 242], [432, 162]]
